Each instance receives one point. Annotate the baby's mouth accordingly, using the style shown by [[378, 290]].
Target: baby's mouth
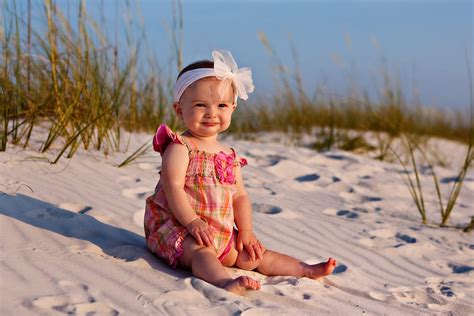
[[209, 123]]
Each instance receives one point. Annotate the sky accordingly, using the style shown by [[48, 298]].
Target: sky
[[421, 44]]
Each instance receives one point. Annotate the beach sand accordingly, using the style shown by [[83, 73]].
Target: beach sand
[[72, 238]]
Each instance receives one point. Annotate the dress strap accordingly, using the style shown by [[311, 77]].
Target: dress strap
[[188, 143], [238, 161]]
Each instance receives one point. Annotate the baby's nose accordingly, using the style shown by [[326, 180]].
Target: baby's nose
[[211, 111]]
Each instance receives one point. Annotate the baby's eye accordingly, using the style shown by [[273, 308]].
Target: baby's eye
[[200, 105], [223, 105]]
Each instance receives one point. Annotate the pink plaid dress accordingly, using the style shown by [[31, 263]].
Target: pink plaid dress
[[209, 186]]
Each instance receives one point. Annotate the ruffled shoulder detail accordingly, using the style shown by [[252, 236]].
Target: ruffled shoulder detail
[[242, 161], [239, 161], [163, 136]]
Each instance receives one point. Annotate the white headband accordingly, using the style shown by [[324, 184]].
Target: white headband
[[225, 67]]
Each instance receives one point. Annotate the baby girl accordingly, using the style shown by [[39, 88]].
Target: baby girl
[[200, 216]]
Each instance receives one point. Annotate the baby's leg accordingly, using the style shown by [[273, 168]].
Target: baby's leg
[[204, 264], [274, 263]]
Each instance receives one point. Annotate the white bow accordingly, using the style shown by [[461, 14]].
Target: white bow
[[225, 67]]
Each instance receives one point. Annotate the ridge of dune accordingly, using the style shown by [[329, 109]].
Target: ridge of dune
[[72, 238]]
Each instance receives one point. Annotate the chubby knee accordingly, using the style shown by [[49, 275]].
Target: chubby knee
[[245, 262], [192, 249]]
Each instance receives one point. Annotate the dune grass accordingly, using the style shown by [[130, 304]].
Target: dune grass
[[412, 179], [85, 90], [291, 110], [73, 81]]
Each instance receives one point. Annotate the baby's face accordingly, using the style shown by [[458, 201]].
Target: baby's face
[[206, 107]]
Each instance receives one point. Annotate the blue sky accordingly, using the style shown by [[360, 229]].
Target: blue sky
[[424, 42]]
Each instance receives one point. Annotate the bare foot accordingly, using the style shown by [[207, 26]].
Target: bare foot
[[241, 285], [316, 271]]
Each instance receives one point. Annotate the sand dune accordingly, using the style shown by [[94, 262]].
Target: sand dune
[[72, 238]]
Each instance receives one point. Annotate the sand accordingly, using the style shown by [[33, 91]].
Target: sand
[[72, 240]]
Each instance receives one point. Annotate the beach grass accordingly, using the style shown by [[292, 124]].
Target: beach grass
[[72, 81], [413, 145], [76, 82]]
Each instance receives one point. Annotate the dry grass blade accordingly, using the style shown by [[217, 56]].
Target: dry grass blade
[[415, 190], [142, 150], [469, 158], [411, 151], [456, 189], [74, 137]]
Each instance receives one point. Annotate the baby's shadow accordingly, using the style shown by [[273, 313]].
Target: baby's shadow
[[116, 242]]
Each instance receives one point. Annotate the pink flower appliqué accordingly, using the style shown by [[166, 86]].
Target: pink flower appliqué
[[225, 167]]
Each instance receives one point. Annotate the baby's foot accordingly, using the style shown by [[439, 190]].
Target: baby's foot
[[315, 271], [241, 285]]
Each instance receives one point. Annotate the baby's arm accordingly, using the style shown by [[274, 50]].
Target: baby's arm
[[173, 172], [243, 219]]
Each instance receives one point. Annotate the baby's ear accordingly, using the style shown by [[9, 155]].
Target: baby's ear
[[177, 109]]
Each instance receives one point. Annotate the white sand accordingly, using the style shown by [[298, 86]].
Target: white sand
[[72, 238]]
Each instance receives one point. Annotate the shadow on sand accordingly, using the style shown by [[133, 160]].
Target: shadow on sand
[[116, 242]]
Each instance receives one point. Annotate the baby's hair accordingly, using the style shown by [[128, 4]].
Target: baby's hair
[[197, 65]]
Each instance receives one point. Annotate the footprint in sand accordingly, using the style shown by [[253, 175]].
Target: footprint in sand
[[406, 238], [331, 183], [340, 268], [308, 177], [446, 291], [76, 300], [462, 246], [334, 212], [266, 208], [435, 295], [340, 157], [392, 242], [137, 193], [447, 288], [371, 199], [448, 180], [347, 214], [306, 296], [417, 297], [272, 160], [458, 269]]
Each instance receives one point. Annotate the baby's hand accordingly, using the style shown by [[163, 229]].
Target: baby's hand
[[254, 247], [201, 231]]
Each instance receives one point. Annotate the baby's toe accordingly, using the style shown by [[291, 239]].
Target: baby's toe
[[250, 283]]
